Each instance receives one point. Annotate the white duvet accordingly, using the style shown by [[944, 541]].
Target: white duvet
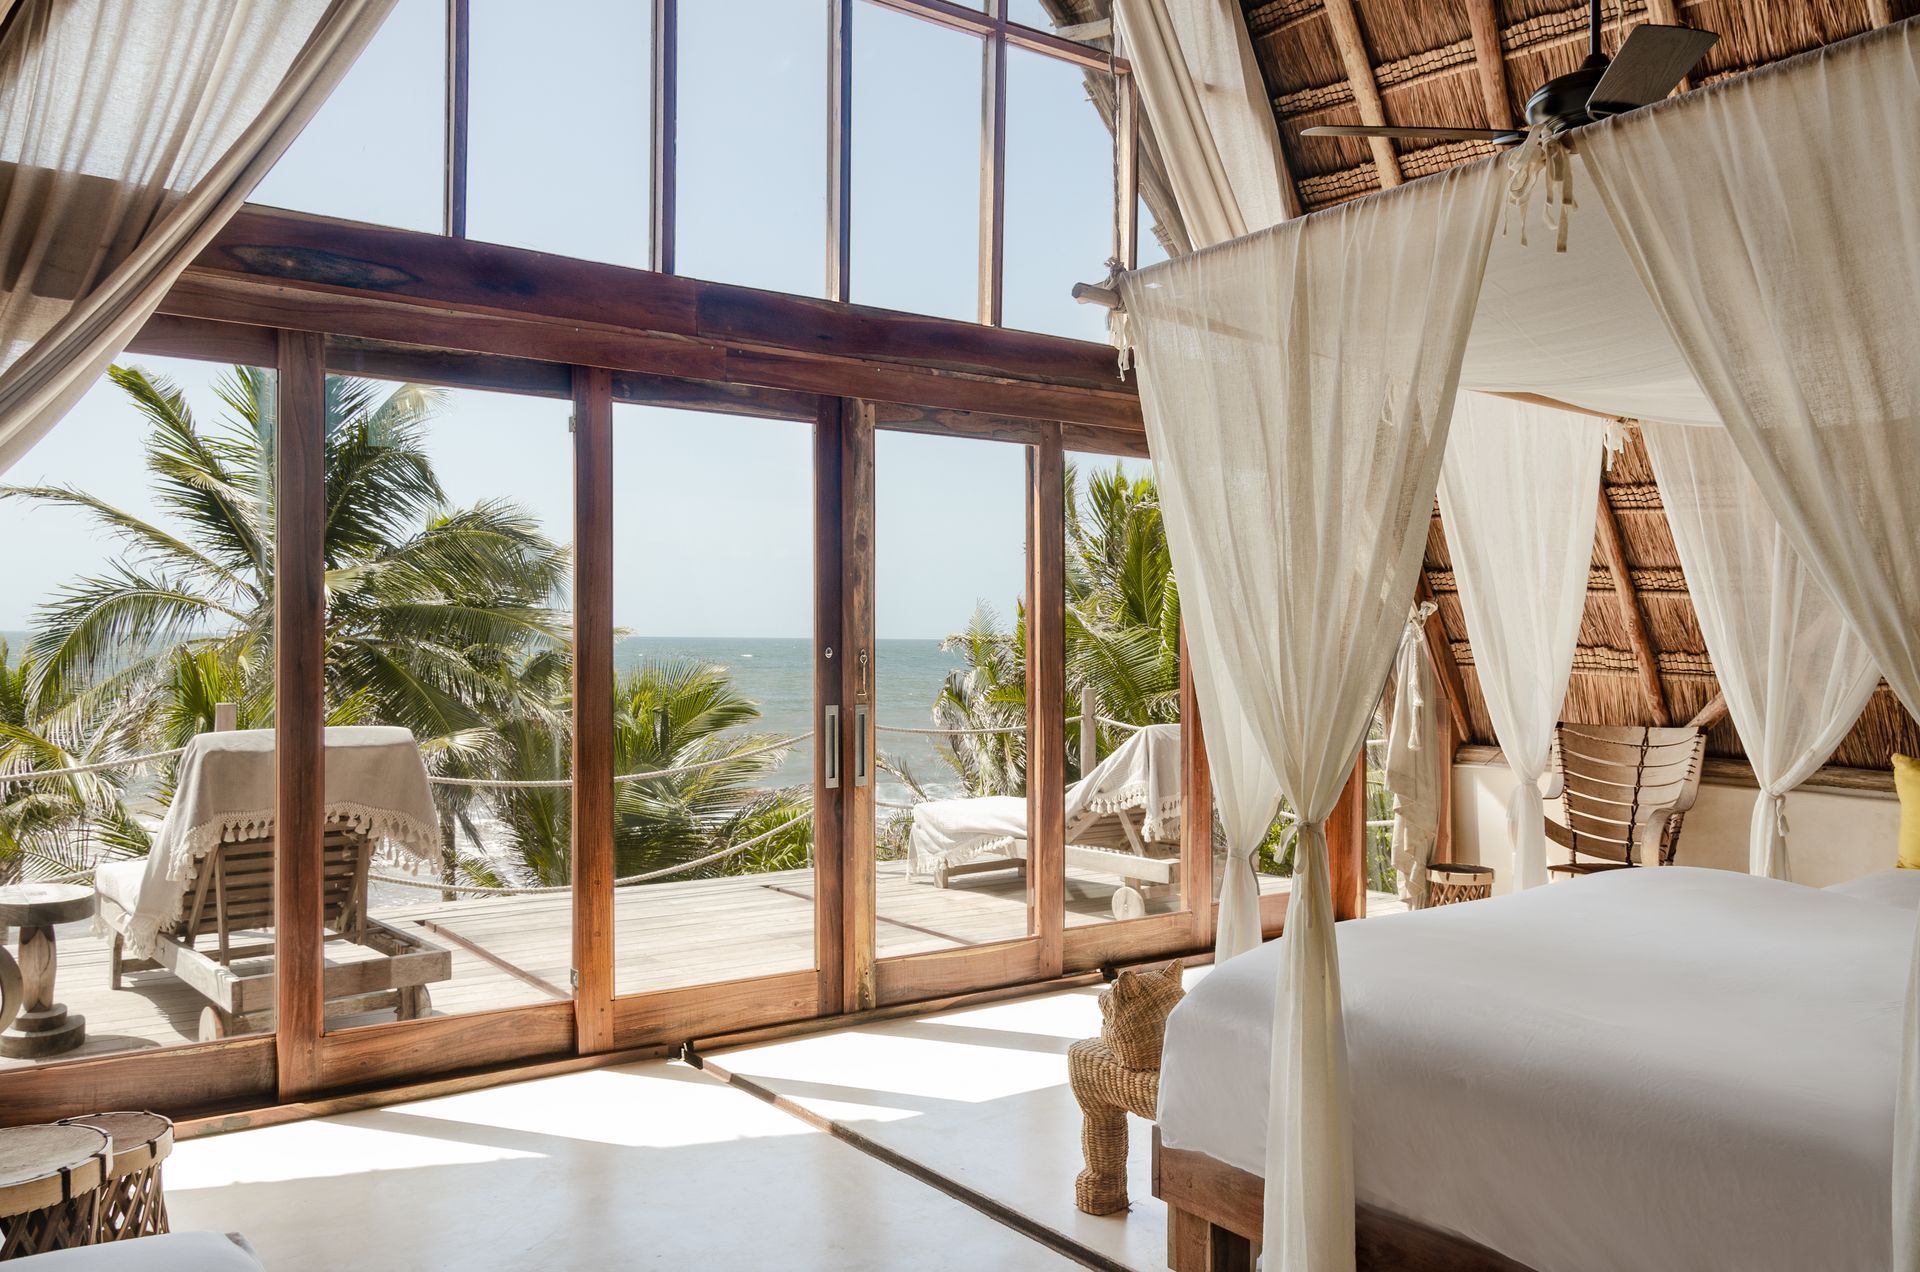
[[1643, 1070]]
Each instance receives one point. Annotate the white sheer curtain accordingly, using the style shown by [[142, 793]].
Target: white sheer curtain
[[1296, 386], [1518, 493], [1414, 763], [1202, 88], [1779, 235], [129, 134], [1795, 675]]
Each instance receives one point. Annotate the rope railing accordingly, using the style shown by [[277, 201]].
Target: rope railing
[[81, 770], [561, 783], [1128, 725], [481, 889], [934, 733]]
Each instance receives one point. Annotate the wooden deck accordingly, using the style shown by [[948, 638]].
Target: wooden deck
[[513, 950]]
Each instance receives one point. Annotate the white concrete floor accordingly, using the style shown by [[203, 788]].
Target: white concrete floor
[[979, 1097], [643, 1166]]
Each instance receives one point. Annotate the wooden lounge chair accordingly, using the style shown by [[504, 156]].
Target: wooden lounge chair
[[231, 900], [1626, 791]]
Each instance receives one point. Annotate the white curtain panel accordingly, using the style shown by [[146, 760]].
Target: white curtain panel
[[1197, 77], [1778, 233], [129, 134], [1795, 674], [1518, 494], [1414, 758], [1296, 386]]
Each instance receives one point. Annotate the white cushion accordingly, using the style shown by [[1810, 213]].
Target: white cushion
[[173, 1252]]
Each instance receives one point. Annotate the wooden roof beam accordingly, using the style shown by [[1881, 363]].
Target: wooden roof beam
[[1713, 713], [1440, 649], [1366, 90], [1613, 547], [1487, 55]]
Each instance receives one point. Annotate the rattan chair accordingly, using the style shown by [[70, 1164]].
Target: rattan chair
[[1626, 790]]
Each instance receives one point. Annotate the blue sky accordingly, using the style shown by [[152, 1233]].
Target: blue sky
[[713, 513]]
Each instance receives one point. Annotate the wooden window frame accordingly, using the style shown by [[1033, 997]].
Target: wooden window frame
[[312, 296]]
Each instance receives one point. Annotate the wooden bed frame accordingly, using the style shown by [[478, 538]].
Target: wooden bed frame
[[1214, 1218]]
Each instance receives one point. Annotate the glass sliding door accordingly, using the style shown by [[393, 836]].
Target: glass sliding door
[[714, 666]]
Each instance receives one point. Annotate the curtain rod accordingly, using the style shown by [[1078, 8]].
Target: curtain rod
[[1095, 294]]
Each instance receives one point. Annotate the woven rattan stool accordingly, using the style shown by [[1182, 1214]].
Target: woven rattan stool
[[131, 1202], [1451, 883], [1116, 1074], [50, 1179]]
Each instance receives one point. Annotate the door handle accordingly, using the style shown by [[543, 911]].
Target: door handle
[[830, 749], [860, 746]]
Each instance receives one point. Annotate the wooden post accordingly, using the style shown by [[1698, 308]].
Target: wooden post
[[299, 657], [832, 752], [666, 132], [1046, 695], [839, 148], [592, 806], [459, 46], [1347, 845], [1484, 22], [1196, 809], [226, 717], [993, 177], [859, 669]]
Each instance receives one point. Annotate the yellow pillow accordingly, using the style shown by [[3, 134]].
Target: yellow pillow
[[1906, 783]]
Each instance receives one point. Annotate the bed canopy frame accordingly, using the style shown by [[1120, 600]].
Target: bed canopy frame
[[1766, 302]]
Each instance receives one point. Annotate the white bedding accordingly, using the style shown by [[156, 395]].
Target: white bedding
[[1887, 887], [1641, 1070]]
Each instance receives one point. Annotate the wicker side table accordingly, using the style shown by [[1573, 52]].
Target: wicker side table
[[131, 1202], [1107, 1091], [50, 1179], [1452, 883]]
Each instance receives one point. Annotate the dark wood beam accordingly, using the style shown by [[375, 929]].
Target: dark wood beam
[[279, 269], [1344, 23], [1613, 550], [593, 762], [1484, 19], [300, 707]]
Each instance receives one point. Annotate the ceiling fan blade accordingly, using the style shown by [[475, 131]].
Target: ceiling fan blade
[[1411, 134], [1651, 62]]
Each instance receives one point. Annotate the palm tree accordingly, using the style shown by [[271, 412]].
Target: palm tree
[[1122, 637], [668, 714], [427, 604]]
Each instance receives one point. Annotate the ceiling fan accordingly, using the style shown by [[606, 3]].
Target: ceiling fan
[[1651, 61]]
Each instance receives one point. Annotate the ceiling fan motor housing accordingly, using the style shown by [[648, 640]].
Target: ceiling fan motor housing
[[1562, 100]]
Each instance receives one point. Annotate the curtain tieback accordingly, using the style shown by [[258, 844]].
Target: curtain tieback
[[1541, 156], [1779, 803]]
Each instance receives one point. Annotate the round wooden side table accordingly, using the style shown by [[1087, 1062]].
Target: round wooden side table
[[131, 1202], [43, 1027], [1451, 883], [50, 1179]]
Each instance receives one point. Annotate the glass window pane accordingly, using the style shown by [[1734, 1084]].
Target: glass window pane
[[559, 144], [376, 151], [1123, 695], [450, 556], [1151, 250], [1059, 227], [753, 144], [713, 662], [951, 676], [155, 484], [916, 165], [1034, 13]]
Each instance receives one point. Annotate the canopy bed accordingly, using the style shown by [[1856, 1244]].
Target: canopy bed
[[1745, 283]]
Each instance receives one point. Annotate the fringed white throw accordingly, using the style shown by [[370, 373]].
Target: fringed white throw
[[1795, 674], [1778, 232], [1518, 493], [375, 782], [1296, 386]]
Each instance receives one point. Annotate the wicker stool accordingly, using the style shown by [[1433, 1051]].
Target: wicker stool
[[1450, 883], [131, 1203], [1107, 1091], [50, 1179]]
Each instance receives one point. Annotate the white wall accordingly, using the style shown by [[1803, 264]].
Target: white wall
[[1834, 835]]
